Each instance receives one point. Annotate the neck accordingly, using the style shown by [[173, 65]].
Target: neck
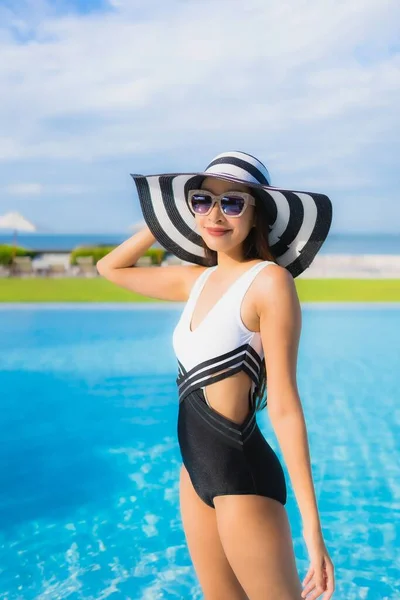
[[227, 263]]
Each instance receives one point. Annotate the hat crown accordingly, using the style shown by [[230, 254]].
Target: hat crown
[[241, 166]]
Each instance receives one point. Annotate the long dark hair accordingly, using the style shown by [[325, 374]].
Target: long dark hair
[[255, 245]]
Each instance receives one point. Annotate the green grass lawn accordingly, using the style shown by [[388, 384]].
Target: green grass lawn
[[101, 290]]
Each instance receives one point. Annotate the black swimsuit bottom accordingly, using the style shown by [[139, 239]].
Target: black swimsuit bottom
[[226, 458]]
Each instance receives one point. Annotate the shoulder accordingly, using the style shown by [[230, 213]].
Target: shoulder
[[275, 287], [275, 278]]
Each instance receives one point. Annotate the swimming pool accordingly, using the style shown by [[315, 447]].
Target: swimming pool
[[89, 459]]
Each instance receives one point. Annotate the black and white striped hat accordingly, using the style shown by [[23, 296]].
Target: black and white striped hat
[[299, 221]]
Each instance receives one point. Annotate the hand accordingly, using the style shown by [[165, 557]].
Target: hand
[[320, 577]]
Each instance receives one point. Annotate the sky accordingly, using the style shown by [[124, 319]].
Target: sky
[[93, 90]]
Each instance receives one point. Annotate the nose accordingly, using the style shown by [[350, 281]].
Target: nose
[[216, 211]]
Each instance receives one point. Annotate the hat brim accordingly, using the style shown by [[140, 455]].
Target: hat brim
[[299, 220]]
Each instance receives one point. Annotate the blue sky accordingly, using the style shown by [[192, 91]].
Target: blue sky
[[93, 90]]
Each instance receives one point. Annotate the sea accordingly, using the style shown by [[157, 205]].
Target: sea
[[336, 243]]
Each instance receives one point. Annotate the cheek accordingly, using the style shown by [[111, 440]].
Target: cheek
[[244, 225]]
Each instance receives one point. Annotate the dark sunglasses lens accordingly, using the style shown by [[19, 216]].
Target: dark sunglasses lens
[[232, 205], [201, 203]]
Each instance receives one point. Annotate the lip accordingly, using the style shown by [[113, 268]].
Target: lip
[[217, 232]]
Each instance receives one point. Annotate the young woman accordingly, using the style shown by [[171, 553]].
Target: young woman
[[240, 326]]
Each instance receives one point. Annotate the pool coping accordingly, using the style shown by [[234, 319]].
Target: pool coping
[[174, 305]]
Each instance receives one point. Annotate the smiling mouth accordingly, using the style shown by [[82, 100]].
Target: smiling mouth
[[216, 230]]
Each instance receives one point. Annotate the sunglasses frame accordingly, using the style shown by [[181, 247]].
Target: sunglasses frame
[[216, 198]]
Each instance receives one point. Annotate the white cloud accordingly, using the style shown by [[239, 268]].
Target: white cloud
[[24, 189], [38, 189], [311, 87]]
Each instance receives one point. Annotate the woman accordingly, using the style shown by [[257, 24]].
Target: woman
[[248, 241]]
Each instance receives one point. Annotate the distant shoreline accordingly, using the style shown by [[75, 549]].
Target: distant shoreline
[[336, 243]]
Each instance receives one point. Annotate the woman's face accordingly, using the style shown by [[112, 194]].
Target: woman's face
[[238, 227]]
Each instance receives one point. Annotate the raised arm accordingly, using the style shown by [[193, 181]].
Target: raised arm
[[171, 282]]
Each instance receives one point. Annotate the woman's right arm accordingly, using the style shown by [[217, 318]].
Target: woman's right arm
[[171, 283]]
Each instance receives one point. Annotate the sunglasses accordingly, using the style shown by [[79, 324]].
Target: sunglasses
[[232, 204]]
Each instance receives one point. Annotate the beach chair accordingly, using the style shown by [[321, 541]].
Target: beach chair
[[22, 266], [56, 270], [172, 260], [86, 266], [144, 261], [4, 271]]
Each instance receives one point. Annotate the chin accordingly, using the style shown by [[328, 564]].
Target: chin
[[220, 247]]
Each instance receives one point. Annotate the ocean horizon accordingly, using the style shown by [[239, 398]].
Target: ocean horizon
[[336, 243]]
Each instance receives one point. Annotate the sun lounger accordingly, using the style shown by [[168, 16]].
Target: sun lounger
[[86, 266], [144, 261], [56, 270], [22, 266], [4, 271]]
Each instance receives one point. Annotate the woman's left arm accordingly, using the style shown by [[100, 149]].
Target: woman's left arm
[[280, 326]]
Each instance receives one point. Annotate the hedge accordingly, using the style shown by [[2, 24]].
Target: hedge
[[156, 254], [6, 253]]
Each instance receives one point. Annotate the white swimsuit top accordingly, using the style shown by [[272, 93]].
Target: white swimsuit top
[[221, 345]]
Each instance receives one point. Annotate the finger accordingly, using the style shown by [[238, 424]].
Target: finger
[[309, 575], [319, 585], [329, 579], [311, 584], [327, 595], [330, 587], [308, 588], [319, 589], [313, 576]]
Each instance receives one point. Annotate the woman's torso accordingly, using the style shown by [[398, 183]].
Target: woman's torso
[[219, 326]]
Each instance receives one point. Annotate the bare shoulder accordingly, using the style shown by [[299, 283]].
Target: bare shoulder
[[275, 287]]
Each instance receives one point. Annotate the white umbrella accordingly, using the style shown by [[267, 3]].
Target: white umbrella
[[17, 222]]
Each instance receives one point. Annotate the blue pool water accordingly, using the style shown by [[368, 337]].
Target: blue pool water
[[89, 461]]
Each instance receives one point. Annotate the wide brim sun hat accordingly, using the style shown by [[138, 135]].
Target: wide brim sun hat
[[299, 222]]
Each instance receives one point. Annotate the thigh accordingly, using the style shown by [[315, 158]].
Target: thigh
[[256, 537], [213, 570]]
